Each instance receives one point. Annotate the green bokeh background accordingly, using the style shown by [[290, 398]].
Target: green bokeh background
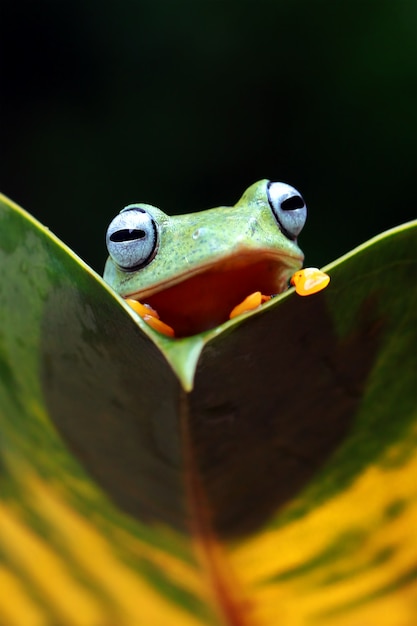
[[183, 104]]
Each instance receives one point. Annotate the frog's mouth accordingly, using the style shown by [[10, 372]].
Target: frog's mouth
[[191, 304]]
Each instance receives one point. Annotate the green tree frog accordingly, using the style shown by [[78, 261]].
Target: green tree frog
[[195, 271]]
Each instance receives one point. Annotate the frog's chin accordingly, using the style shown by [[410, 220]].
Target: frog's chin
[[205, 300]]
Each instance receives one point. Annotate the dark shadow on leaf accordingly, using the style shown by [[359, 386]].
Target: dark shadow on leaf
[[269, 413], [113, 398]]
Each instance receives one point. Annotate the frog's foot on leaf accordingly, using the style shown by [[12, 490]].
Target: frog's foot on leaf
[[253, 301], [306, 281], [309, 280], [151, 317]]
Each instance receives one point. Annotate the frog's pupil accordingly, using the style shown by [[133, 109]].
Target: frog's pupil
[[127, 234], [290, 204]]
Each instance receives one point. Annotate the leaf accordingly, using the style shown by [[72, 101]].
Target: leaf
[[260, 473]]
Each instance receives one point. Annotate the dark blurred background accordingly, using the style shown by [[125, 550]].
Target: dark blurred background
[[183, 104]]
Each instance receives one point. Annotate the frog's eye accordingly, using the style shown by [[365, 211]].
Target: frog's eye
[[132, 238], [288, 207]]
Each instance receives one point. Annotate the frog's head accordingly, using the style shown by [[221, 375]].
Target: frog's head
[[194, 268]]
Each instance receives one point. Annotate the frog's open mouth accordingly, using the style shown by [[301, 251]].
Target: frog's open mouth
[[202, 301]]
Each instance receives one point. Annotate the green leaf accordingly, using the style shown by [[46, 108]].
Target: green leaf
[[259, 473]]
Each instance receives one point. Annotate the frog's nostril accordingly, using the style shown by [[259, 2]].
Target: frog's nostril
[[290, 204], [127, 234]]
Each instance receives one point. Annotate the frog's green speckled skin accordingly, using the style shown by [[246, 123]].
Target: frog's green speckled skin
[[191, 243]]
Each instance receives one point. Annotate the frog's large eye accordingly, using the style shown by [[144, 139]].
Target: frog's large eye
[[132, 238], [288, 207]]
